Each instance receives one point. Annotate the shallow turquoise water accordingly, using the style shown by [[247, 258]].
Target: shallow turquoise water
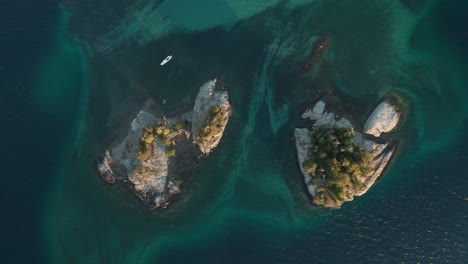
[[245, 203]]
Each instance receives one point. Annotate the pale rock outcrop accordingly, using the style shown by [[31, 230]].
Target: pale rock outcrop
[[152, 175], [378, 165], [207, 98], [105, 170], [384, 118], [321, 117], [303, 146]]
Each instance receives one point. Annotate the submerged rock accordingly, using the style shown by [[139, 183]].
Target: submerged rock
[[316, 53], [150, 157], [326, 188], [384, 118]]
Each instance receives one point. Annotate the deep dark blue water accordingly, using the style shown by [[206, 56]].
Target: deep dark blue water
[[34, 132], [65, 74], [31, 141]]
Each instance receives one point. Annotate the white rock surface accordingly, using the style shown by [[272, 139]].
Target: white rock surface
[[378, 165], [322, 117], [303, 145], [315, 113], [156, 170], [368, 145], [104, 166], [383, 119]]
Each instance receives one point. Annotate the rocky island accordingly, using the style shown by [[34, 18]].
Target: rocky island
[[156, 149], [210, 116], [338, 162]]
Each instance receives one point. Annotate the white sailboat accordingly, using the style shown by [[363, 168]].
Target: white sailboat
[[166, 60]]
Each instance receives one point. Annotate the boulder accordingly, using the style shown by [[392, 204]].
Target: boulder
[[383, 119]]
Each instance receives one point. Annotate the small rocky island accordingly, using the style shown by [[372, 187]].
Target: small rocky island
[[336, 160], [157, 149]]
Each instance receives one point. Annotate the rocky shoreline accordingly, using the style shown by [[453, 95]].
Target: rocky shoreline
[[207, 101], [157, 150], [384, 118]]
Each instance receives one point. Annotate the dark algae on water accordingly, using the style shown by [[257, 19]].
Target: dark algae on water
[[319, 49]]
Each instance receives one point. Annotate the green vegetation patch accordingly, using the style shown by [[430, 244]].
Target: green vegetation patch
[[336, 161], [145, 143], [160, 132], [183, 125], [213, 126]]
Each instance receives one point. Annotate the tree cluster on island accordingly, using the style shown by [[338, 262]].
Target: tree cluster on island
[[162, 133], [336, 164], [213, 126]]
